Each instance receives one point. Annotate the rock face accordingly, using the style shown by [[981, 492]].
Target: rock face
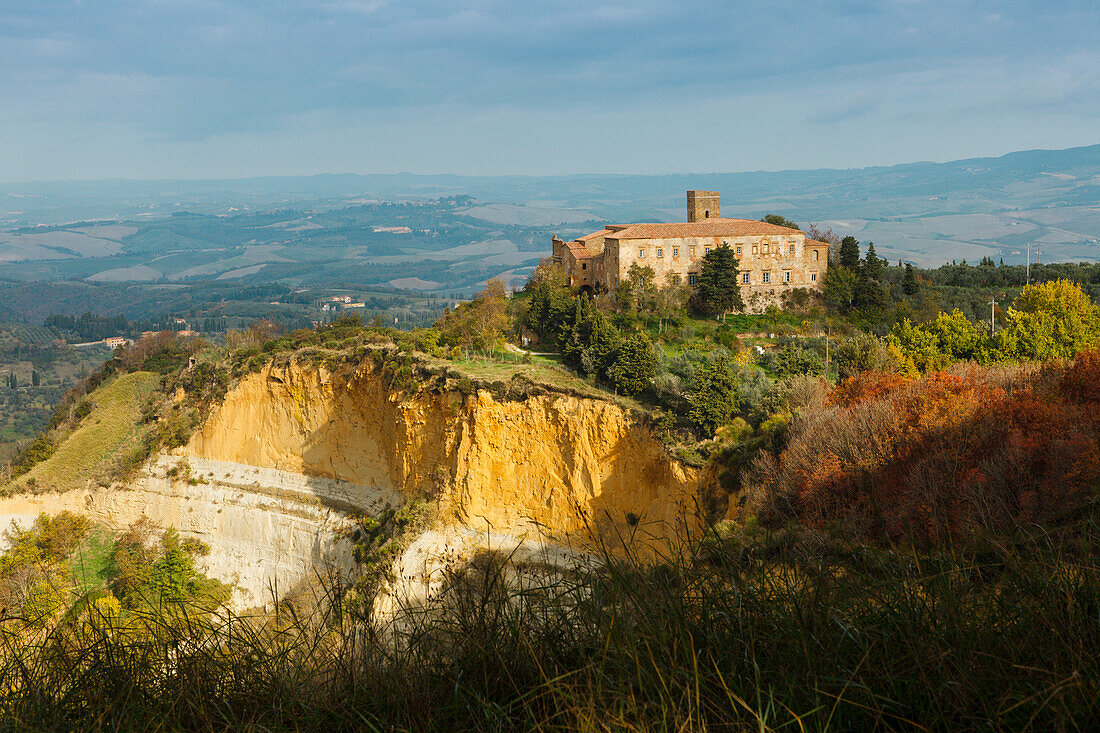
[[268, 530], [278, 468], [556, 463]]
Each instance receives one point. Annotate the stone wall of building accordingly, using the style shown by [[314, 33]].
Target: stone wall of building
[[770, 264]]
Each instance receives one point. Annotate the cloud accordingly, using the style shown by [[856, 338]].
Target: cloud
[[858, 105], [191, 72]]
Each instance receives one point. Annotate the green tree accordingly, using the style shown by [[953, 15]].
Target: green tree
[[638, 289], [949, 337], [635, 365], [872, 265], [1052, 320], [717, 286], [780, 221], [173, 575], [36, 378], [480, 323], [909, 284], [870, 294], [956, 335], [580, 331], [839, 286], [918, 345], [793, 360], [714, 396], [849, 253], [602, 347], [864, 352], [550, 303]]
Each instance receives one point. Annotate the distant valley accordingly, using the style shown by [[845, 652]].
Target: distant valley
[[466, 229]]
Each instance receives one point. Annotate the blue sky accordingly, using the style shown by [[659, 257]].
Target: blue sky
[[206, 88]]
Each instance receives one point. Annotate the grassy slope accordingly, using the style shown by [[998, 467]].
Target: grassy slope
[[113, 425]]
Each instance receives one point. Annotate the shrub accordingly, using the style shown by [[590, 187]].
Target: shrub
[[942, 456]]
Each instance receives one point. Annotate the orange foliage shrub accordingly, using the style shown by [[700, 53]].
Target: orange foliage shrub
[[943, 456], [866, 386]]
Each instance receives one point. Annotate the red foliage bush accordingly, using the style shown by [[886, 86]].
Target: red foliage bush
[[940, 457], [866, 386]]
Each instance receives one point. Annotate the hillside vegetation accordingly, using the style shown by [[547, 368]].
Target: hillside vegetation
[[901, 521]]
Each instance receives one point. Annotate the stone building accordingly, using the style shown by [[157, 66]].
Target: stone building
[[773, 259]]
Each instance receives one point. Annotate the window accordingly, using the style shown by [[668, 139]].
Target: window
[[813, 277], [745, 277], [675, 251], [754, 249], [787, 276], [691, 251], [792, 249], [584, 265], [660, 253], [706, 250], [738, 250], [691, 279], [765, 249], [816, 254], [641, 253], [767, 277]]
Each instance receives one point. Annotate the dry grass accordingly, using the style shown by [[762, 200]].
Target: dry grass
[[88, 453], [748, 632]]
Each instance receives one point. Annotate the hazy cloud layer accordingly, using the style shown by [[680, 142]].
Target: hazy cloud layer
[[213, 88]]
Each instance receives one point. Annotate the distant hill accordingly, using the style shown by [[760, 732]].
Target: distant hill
[[924, 212]]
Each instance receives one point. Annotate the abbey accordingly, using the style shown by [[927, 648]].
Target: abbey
[[773, 259]]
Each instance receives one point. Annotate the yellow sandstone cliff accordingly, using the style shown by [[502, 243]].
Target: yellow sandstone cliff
[[276, 471], [555, 462]]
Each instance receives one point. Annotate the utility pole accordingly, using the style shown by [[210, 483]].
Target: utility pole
[[1027, 269], [1038, 258], [992, 315]]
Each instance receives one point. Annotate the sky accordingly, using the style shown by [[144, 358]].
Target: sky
[[93, 89]]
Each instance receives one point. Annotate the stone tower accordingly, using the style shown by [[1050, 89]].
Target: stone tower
[[702, 205]]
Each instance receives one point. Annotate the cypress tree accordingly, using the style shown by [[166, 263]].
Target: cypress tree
[[872, 265], [717, 284], [909, 284], [849, 253]]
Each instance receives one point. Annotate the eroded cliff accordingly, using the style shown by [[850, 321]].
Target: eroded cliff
[[554, 462], [275, 474]]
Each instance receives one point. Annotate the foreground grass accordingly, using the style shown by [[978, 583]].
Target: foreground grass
[[771, 632]]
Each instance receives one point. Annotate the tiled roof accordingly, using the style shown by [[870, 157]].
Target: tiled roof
[[815, 243], [713, 227], [594, 235], [578, 249]]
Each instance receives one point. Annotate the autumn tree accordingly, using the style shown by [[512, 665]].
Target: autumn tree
[[482, 322]]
